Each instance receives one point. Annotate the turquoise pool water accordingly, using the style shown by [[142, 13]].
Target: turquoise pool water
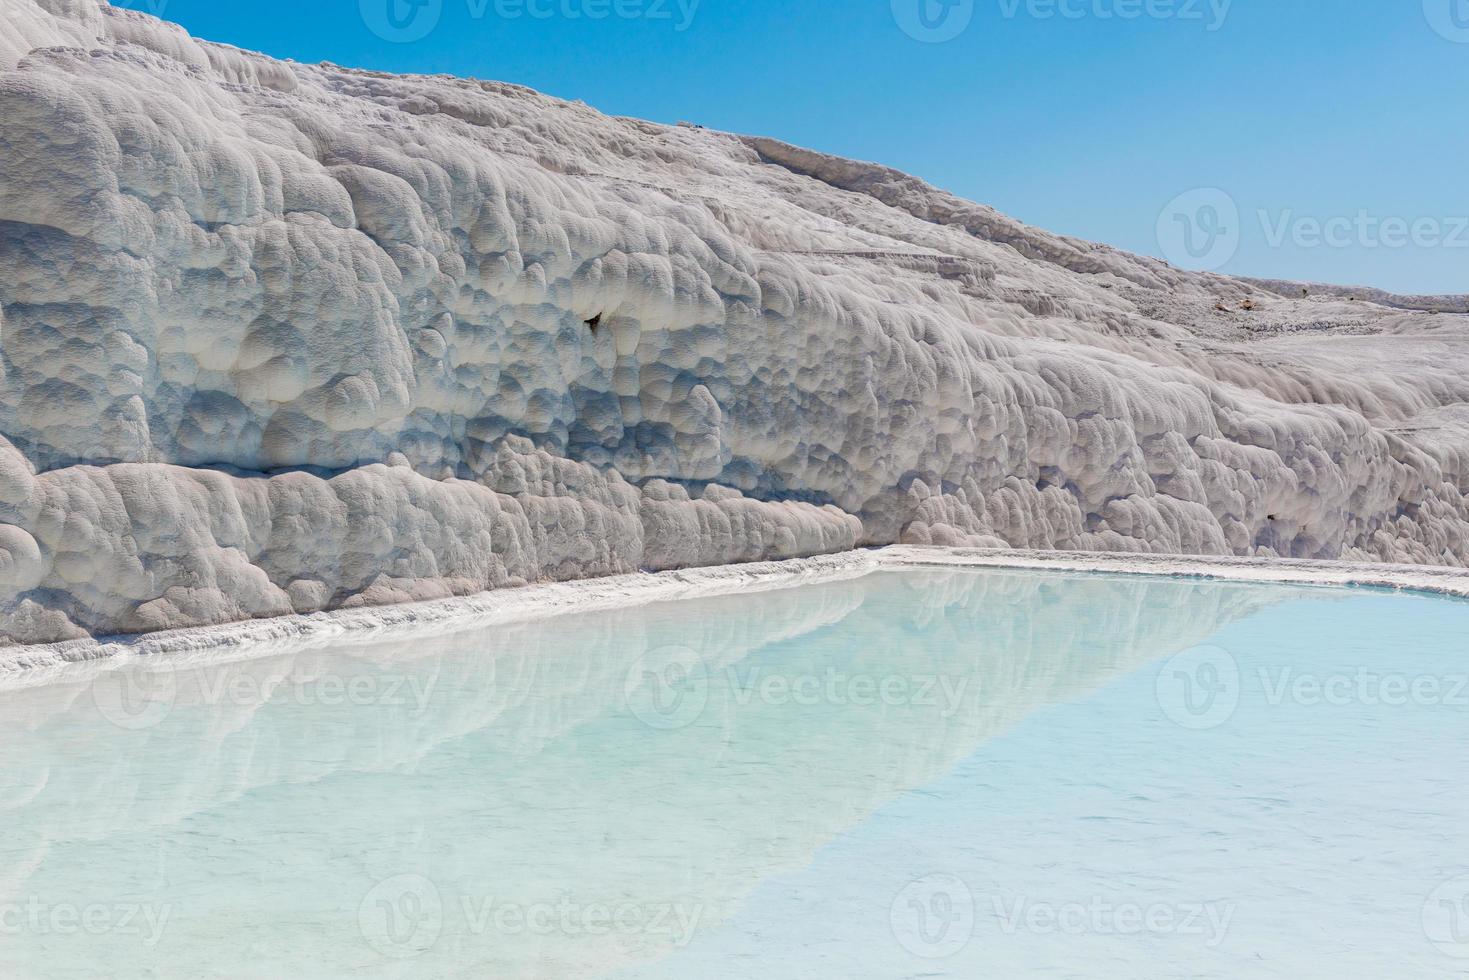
[[944, 773]]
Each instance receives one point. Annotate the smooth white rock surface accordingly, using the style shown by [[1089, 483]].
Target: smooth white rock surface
[[279, 338]]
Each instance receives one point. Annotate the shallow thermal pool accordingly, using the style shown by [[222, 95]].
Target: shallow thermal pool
[[936, 773]]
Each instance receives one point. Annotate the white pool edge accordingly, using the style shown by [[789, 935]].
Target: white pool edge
[[1278, 571], [244, 640], [29, 665]]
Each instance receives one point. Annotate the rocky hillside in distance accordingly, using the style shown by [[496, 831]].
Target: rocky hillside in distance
[[283, 338]]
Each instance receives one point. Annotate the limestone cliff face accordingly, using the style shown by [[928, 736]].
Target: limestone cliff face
[[278, 338]]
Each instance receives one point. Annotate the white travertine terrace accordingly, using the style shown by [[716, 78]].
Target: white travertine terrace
[[536, 713], [279, 338]]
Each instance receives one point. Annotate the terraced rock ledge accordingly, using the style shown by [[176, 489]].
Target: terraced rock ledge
[[277, 339]]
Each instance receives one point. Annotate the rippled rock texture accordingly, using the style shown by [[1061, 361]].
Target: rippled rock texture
[[281, 338]]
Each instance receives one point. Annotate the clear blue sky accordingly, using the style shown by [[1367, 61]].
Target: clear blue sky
[[1088, 124]]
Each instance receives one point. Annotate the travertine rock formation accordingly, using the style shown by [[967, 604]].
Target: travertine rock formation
[[277, 337]]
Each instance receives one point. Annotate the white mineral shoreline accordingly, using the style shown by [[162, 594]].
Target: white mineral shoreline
[[29, 665]]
